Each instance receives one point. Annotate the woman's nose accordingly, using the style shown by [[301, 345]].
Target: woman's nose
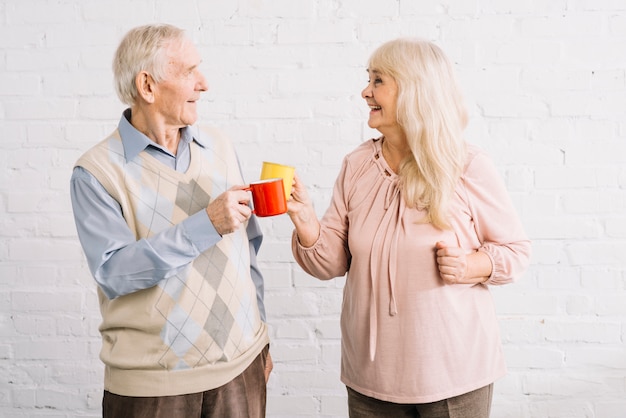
[[366, 92]]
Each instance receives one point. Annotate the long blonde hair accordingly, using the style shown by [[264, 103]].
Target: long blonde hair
[[431, 112]]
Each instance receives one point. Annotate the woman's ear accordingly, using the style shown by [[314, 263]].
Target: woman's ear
[[145, 86]]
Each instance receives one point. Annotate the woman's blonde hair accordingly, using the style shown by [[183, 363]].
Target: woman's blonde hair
[[431, 112], [142, 49]]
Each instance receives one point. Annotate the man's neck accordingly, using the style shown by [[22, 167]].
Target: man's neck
[[155, 129]]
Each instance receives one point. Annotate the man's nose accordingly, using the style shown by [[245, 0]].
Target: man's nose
[[203, 85]]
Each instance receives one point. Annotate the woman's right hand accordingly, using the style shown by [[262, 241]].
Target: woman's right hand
[[300, 210], [299, 198]]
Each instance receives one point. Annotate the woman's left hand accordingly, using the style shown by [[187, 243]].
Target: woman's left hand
[[457, 267]]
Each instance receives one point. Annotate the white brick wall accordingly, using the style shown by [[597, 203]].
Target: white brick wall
[[545, 82]]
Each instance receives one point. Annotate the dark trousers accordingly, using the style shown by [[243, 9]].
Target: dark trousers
[[242, 397], [475, 404]]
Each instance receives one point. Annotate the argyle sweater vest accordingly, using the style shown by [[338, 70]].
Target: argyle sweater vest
[[201, 327]]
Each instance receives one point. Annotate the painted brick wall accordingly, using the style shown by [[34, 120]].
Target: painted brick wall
[[545, 83]]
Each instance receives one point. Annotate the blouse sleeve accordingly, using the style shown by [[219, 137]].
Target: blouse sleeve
[[497, 224], [329, 257]]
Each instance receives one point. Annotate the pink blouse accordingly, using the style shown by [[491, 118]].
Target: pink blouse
[[406, 336]]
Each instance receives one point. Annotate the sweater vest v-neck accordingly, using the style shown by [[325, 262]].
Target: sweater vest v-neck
[[200, 327]]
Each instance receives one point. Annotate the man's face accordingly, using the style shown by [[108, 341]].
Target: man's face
[[176, 95]]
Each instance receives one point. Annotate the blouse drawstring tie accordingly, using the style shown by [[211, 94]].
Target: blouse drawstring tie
[[394, 208]]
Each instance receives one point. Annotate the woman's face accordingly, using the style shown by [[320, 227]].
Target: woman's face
[[381, 95]]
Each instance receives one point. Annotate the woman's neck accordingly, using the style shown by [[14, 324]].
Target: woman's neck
[[394, 151]]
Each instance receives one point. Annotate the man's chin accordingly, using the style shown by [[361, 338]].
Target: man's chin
[[190, 120]]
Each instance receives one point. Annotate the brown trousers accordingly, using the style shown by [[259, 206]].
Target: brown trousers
[[475, 404], [242, 397]]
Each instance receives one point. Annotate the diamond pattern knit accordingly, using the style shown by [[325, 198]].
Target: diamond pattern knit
[[207, 312]]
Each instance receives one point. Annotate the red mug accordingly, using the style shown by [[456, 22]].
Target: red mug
[[268, 197]]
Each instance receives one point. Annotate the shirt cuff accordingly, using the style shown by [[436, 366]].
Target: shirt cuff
[[200, 231], [493, 265]]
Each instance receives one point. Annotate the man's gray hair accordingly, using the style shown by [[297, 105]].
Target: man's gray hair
[[141, 49]]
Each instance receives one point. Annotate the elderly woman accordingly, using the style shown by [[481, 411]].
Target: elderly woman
[[422, 224]]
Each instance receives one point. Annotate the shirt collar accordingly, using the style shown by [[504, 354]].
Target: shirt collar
[[134, 141]]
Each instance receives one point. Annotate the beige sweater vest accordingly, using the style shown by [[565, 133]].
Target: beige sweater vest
[[201, 327]]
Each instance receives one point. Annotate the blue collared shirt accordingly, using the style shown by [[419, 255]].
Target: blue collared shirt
[[119, 263]]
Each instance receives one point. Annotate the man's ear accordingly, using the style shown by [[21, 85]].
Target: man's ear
[[145, 86]]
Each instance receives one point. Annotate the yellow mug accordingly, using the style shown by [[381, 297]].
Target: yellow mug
[[274, 170]]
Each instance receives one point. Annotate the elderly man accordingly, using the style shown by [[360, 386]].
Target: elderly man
[[163, 219]]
